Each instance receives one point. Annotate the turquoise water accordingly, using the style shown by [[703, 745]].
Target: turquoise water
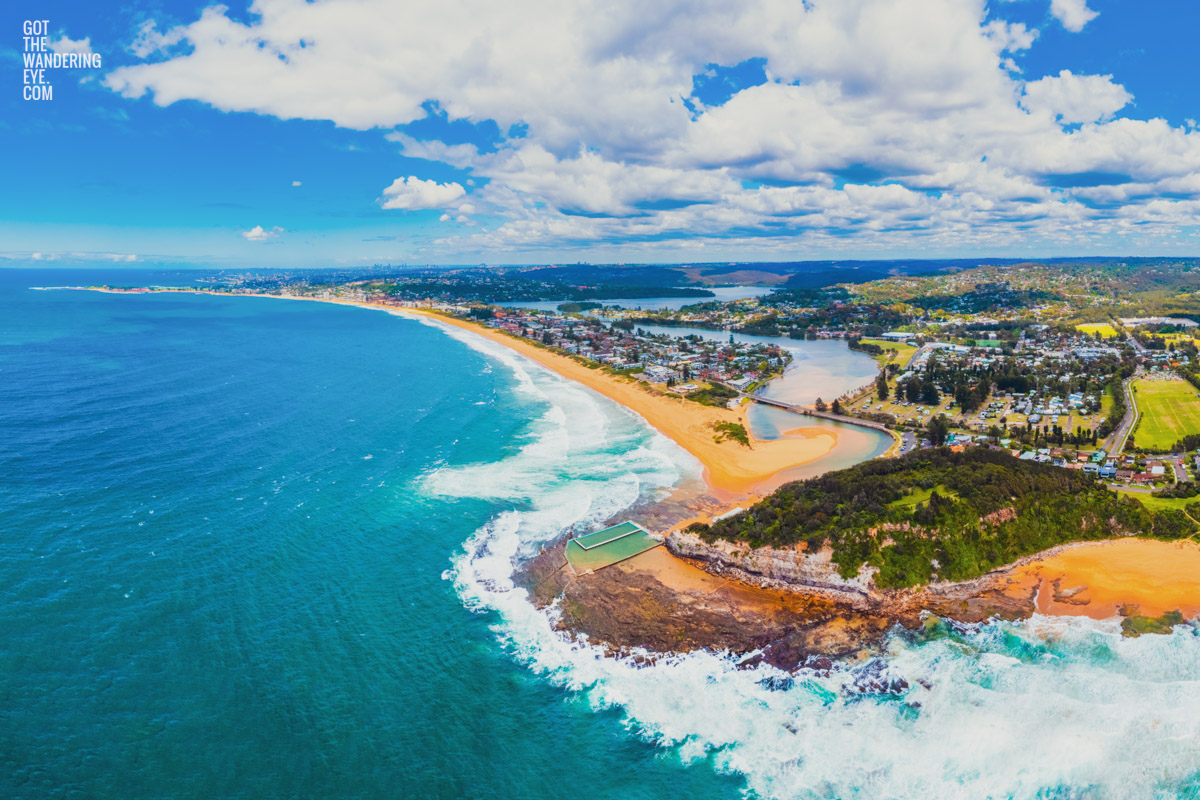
[[263, 549]]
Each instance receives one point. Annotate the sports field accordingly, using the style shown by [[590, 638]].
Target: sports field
[[902, 352], [1103, 328], [1172, 338], [1169, 409]]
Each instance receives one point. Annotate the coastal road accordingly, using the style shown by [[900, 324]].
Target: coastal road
[[1116, 442]]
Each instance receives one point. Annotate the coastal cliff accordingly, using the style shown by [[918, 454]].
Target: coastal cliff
[[788, 568], [792, 569]]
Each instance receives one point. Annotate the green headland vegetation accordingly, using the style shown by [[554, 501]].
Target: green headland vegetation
[[943, 515]]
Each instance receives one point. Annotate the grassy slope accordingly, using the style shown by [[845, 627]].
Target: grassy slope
[[1156, 503]]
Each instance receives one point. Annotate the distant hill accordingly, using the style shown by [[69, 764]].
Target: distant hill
[[790, 274]]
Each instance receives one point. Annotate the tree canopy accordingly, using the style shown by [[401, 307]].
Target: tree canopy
[[937, 514]]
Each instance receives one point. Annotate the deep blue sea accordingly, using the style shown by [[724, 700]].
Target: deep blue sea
[[263, 549]]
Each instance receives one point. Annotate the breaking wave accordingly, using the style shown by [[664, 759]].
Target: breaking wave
[[1048, 708]]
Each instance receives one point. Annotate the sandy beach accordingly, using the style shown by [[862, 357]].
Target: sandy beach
[[1096, 579], [729, 466], [1100, 579], [732, 470]]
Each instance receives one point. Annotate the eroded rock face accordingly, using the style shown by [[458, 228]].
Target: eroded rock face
[[780, 606], [782, 568], [626, 609]]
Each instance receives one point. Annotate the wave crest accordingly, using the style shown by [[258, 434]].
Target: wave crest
[[1049, 708]]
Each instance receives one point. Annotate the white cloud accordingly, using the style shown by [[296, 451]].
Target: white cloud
[[150, 40], [64, 44], [897, 120], [412, 193], [1073, 14], [1076, 98], [296, 183], [259, 234]]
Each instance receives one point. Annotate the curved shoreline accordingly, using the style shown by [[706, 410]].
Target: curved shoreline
[[731, 470], [1101, 580]]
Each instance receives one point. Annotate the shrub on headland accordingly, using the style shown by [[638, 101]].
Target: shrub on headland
[[937, 514]]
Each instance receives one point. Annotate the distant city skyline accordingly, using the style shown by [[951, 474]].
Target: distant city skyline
[[336, 133]]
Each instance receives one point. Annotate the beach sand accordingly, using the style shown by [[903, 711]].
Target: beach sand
[[1095, 579], [1100, 579], [729, 467], [732, 470]]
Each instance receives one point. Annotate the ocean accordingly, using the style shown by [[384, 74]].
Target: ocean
[[264, 549]]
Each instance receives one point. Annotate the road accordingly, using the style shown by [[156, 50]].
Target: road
[[1176, 463], [1116, 442], [812, 412]]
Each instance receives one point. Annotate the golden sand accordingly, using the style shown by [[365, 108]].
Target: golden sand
[[728, 466], [1099, 579], [1095, 579]]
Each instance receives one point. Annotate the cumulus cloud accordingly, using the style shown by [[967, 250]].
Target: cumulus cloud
[[412, 193], [296, 183], [150, 40], [1076, 98], [259, 234], [65, 44], [888, 120], [1073, 14]]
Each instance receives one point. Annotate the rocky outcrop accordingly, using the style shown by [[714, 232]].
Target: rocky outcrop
[[795, 570], [789, 568]]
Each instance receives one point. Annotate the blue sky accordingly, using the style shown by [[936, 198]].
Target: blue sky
[[334, 132]]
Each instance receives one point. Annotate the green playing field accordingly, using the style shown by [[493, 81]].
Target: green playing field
[[1170, 410]]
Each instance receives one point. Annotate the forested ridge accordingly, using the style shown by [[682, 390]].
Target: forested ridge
[[942, 515]]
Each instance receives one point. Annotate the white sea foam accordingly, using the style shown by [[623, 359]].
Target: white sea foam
[[1055, 707]]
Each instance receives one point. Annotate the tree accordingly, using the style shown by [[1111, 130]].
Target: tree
[[881, 386], [912, 390], [836, 407], [929, 394], [938, 430], [820, 405]]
